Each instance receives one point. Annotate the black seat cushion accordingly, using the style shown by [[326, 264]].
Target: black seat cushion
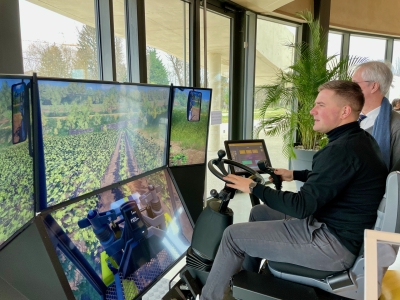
[[300, 271]]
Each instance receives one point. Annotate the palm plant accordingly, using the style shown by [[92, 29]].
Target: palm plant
[[297, 88]]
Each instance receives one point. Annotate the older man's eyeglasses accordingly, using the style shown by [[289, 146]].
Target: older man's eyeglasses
[[363, 81]]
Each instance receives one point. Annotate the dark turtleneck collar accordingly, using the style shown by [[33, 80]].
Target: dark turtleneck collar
[[338, 131]]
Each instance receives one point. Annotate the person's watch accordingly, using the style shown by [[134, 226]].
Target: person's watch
[[251, 186]]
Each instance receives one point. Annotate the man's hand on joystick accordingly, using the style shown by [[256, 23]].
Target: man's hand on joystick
[[276, 179]]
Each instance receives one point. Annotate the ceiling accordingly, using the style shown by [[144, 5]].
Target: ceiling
[[165, 21], [167, 24]]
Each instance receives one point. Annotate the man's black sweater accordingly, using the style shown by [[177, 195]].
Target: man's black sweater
[[343, 190]]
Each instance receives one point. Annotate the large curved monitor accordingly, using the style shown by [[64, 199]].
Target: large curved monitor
[[98, 133], [16, 176], [155, 207]]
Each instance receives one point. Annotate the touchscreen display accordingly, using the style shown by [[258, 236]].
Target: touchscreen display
[[247, 153]]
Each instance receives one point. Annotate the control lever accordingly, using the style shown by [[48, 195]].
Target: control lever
[[219, 163], [225, 196], [262, 165], [221, 154]]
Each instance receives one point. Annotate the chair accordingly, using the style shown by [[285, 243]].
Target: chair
[[349, 283]]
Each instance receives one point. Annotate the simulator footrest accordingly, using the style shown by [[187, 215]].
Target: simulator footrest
[[249, 285]]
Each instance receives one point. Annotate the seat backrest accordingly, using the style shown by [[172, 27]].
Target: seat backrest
[[388, 212], [388, 220]]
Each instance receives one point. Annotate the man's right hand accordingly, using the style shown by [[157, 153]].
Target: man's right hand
[[286, 175]]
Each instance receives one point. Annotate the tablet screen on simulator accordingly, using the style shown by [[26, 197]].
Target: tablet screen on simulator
[[246, 152]]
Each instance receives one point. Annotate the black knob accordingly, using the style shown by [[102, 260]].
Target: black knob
[[214, 193], [221, 154]]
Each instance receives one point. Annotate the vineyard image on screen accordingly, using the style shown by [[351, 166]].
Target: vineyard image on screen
[[140, 229], [16, 177], [188, 139], [97, 134]]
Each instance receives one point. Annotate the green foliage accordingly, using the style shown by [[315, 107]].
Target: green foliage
[[77, 106], [75, 164], [81, 287], [178, 159], [86, 54], [5, 102], [157, 71], [147, 153], [16, 189], [189, 135], [120, 64], [296, 89]]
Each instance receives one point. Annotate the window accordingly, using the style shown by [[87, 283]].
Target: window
[[218, 73], [120, 40], [59, 40], [272, 55], [167, 38], [369, 47], [334, 45], [395, 89]]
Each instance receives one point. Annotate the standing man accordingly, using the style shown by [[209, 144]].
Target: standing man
[[337, 202], [377, 116]]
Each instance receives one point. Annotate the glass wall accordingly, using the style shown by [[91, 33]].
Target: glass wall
[[59, 40], [167, 41], [395, 89], [335, 46], [218, 73], [272, 56], [120, 40], [369, 47]]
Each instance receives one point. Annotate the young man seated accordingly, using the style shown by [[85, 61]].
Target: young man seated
[[321, 226]]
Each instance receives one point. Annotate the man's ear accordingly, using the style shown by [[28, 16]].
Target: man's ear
[[346, 111], [376, 87]]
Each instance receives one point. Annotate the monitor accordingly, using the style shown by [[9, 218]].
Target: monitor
[[16, 180], [96, 134], [189, 126], [165, 234], [248, 153]]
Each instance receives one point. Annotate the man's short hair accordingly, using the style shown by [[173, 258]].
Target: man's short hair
[[377, 71], [347, 90]]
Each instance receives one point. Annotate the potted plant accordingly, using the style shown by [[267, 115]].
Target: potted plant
[[295, 90]]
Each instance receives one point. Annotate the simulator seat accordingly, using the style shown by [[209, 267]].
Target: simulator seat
[[349, 283]]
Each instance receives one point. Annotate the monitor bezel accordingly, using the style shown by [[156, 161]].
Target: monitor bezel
[[227, 144]]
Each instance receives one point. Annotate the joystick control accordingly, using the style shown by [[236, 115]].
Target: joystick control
[[214, 193], [221, 154], [262, 165]]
